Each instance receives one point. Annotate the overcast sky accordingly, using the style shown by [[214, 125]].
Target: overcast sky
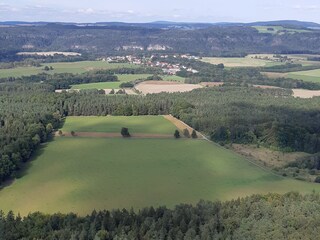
[[150, 10]]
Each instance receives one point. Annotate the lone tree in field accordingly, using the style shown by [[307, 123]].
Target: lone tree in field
[[176, 134], [125, 132], [186, 133], [73, 133], [194, 134]]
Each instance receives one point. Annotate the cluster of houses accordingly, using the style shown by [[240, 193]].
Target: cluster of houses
[[167, 68]]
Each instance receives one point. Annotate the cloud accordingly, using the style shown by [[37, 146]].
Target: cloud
[[86, 11], [306, 7]]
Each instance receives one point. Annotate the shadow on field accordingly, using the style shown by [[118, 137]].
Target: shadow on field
[[26, 166]]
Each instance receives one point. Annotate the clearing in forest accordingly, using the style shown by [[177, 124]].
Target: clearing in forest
[[113, 124], [80, 174], [149, 87]]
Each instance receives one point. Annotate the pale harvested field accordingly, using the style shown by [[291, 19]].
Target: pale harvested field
[[303, 93], [164, 86], [49, 53]]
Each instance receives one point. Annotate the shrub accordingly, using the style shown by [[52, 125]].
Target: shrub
[[186, 133], [176, 134], [125, 132]]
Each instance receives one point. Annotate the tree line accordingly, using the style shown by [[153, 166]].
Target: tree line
[[271, 216], [228, 114]]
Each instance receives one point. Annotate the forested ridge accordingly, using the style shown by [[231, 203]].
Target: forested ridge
[[211, 41], [272, 216]]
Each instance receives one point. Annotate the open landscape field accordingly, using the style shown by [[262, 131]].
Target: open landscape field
[[239, 62], [111, 85], [310, 76], [149, 87], [77, 173], [113, 124], [278, 29], [63, 67], [124, 78]]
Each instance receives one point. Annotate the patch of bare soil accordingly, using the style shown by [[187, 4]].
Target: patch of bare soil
[[165, 86], [265, 156], [303, 93], [153, 82]]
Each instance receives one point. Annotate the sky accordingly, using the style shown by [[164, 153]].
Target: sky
[[168, 10]]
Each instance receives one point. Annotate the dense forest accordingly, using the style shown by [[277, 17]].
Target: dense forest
[[272, 118], [210, 41], [273, 216]]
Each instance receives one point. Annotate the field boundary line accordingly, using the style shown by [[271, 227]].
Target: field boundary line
[[113, 135], [182, 125], [174, 120]]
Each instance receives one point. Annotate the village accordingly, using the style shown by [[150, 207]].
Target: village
[[155, 61]]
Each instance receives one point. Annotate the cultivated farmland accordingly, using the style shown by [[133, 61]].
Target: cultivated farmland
[[113, 124], [109, 85], [310, 76], [239, 62], [63, 67], [77, 173], [149, 87]]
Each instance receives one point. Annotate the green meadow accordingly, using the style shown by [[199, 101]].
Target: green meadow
[[123, 78], [113, 124], [63, 67], [278, 29], [310, 76], [80, 174]]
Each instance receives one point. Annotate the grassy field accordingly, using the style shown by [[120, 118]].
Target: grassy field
[[310, 76], [239, 62], [63, 67], [109, 85], [136, 124], [123, 78], [82, 174], [278, 29]]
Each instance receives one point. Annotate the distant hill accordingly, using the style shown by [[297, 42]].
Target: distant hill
[[175, 25], [205, 39], [291, 23]]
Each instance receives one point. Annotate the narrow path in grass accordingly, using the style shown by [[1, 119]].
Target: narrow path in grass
[[112, 135]]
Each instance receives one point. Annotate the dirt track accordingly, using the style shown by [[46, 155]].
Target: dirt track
[[181, 125], [112, 135]]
